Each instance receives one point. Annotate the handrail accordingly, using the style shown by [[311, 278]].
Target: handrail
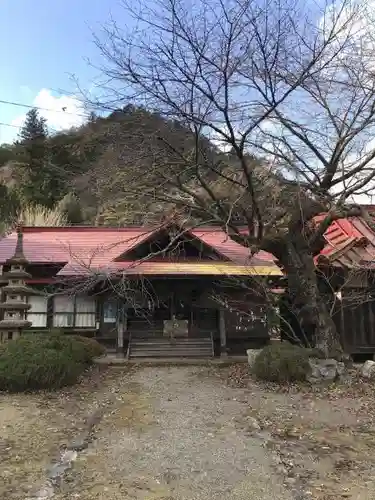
[[128, 350]]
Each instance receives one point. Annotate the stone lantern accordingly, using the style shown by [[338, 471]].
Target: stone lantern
[[16, 292]]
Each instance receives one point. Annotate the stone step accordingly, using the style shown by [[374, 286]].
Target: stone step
[[164, 348], [170, 342], [170, 354]]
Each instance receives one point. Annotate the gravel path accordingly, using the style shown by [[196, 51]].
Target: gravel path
[[173, 436]]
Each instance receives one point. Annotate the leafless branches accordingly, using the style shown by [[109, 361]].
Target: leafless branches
[[280, 81], [277, 100]]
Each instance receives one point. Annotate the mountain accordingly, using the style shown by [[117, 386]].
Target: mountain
[[94, 160], [137, 167]]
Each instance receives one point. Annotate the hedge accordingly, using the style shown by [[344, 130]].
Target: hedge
[[283, 362], [45, 361]]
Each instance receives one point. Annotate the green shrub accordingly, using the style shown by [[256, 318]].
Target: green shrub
[[62, 343], [283, 362], [80, 349], [45, 361], [92, 347], [26, 366]]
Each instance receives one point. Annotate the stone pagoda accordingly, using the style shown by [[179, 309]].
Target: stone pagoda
[[3, 282], [16, 292]]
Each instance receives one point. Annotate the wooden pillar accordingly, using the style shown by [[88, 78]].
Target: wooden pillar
[[49, 312], [120, 336], [223, 333], [172, 311], [121, 328], [126, 321], [98, 315]]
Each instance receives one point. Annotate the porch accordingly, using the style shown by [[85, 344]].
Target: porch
[[169, 289], [172, 318]]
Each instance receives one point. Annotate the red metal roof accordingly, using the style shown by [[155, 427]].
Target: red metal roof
[[224, 245], [44, 245], [98, 247], [350, 243]]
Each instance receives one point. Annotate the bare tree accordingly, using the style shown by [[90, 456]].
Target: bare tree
[[349, 290], [284, 93]]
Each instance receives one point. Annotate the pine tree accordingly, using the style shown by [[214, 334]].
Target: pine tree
[[34, 130], [40, 181]]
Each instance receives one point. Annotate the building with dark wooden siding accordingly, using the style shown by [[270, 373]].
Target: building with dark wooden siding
[[147, 292], [347, 269], [173, 292]]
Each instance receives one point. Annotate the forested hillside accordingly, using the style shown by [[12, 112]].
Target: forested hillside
[[126, 168], [81, 171]]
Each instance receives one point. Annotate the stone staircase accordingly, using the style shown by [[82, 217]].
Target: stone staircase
[[160, 347]]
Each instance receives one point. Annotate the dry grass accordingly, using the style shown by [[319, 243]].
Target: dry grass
[[32, 430], [38, 215], [25, 437], [35, 427], [130, 410], [327, 433]]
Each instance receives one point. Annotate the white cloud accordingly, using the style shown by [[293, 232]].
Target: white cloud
[[61, 112]]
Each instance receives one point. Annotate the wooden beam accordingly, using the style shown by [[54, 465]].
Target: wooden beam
[[223, 333]]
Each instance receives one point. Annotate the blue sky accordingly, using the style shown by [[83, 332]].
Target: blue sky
[[42, 43]]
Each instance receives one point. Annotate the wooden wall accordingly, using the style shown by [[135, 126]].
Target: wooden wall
[[355, 321], [195, 300], [354, 317]]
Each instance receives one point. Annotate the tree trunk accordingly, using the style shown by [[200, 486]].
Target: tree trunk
[[307, 302]]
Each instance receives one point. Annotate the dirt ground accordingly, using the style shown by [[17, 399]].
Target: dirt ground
[[192, 433], [34, 428]]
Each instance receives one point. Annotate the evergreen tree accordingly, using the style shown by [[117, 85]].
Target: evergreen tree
[[34, 131], [40, 180]]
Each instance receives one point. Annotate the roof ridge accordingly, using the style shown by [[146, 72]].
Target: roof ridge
[[35, 229], [77, 228]]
